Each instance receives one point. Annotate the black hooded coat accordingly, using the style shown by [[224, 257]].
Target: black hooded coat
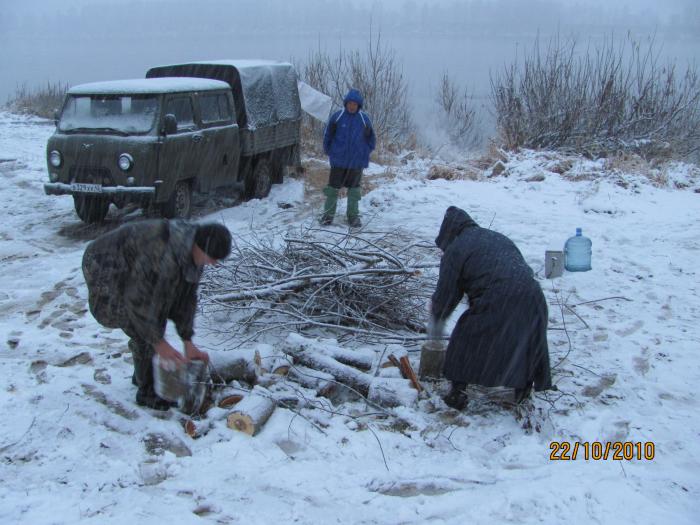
[[501, 340]]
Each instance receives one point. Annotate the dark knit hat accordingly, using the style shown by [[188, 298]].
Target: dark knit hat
[[214, 239]]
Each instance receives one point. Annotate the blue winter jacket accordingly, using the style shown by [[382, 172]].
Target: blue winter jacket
[[349, 137]]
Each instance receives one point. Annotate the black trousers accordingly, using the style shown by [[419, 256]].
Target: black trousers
[[142, 354], [345, 178]]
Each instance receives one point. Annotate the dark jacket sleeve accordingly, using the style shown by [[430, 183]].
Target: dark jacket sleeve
[[371, 137], [148, 294], [183, 313], [449, 291], [329, 133]]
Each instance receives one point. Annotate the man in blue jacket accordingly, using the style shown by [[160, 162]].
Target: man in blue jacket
[[348, 140]]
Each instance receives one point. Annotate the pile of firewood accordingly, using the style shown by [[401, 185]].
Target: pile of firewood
[[369, 286], [304, 374]]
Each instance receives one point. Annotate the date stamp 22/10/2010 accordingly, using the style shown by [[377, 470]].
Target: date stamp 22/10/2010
[[601, 451]]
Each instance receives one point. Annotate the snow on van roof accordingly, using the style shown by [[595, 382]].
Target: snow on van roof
[[148, 86], [242, 63]]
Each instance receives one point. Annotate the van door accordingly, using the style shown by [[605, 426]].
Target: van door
[[181, 153], [220, 131]]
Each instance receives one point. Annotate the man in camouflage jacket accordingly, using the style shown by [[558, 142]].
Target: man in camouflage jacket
[[144, 273]]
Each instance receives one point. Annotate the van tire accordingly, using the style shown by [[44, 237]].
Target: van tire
[[90, 209], [259, 180], [179, 205]]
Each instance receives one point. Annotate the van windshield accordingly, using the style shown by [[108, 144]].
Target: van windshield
[[109, 113]]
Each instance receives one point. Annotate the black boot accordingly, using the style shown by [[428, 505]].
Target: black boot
[[142, 377], [457, 398], [521, 394], [146, 397]]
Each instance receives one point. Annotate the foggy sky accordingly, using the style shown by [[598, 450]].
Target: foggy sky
[[91, 40]]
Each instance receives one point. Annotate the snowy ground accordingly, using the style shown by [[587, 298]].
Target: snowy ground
[[73, 444]]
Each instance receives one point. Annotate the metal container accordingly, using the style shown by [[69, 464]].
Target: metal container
[[553, 264], [185, 385], [432, 359], [199, 382]]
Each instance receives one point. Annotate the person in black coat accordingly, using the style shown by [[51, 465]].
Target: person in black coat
[[501, 340]]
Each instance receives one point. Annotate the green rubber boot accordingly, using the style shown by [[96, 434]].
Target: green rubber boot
[[331, 194], [354, 195]]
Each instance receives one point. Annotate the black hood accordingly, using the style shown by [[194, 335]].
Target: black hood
[[453, 223]]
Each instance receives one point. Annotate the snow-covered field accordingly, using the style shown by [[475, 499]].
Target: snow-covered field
[[74, 447]]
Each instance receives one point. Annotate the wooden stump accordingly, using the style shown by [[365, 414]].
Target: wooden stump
[[432, 359]]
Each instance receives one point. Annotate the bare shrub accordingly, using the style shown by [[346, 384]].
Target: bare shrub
[[42, 101], [457, 115], [378, 74], [616, 98]]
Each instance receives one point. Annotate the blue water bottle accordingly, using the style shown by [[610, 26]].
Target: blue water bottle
[[577, 253]]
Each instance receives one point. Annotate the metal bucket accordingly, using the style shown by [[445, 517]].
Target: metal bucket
[[553, 264], [185, 385]]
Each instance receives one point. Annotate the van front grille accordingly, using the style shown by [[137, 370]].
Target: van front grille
[[91, 175]]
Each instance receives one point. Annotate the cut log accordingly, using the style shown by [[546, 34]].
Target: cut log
[[353, 358], [229, 366], [229, 401], [392, 392], [195, 429], [362, 359], [251, 413], [345, 374], [309, 378]]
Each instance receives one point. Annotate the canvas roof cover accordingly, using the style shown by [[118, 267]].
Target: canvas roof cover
[[265, 92]]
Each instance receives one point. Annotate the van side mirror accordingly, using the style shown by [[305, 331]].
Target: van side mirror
[[170, 124], [55, 117]]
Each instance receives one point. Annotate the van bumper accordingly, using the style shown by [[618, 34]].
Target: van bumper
[[60, 188]]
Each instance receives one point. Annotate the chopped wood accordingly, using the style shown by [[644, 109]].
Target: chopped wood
[[395, 362], [190, 427], [229, 401], [408, 373], [281, 370], [195, 429], [252, 412]]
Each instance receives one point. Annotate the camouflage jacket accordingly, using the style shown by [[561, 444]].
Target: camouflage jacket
[[142, 274]]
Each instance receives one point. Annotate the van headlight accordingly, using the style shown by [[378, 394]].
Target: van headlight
[[55, 158], [126, 162]]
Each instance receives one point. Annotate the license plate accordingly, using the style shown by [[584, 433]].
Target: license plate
[[86, 188]]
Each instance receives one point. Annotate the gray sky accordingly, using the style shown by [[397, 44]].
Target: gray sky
[[89, 40]]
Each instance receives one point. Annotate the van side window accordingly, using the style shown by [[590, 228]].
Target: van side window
[[215, 108], [181, 107]]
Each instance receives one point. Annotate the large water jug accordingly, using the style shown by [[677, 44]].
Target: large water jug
[[577, 252]]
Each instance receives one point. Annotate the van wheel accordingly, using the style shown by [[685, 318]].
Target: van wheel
[[90, 209], [179, 205], [259, 182]]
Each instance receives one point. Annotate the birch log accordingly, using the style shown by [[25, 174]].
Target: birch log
[[229, 366], [251, 413], [345, 374], [392, 392]]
